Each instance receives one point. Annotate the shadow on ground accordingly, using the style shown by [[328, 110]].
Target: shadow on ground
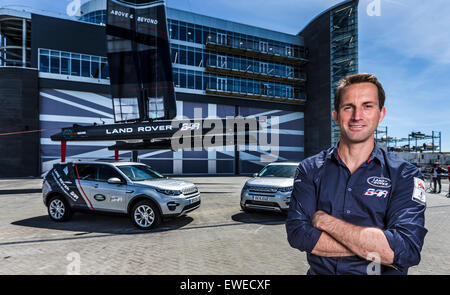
[[260, 217], [20, 191], [97, 223]]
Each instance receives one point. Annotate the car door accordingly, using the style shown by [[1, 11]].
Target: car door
[[115, 194], [88, 184]]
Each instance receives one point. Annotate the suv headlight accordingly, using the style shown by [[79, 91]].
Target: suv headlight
[[286, 189], [168, 192]]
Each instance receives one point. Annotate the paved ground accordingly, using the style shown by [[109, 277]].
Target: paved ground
[[218, 238]]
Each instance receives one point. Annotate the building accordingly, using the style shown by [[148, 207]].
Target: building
[[54, 72]]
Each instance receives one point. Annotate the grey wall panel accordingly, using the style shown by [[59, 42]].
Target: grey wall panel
[[19, 98]]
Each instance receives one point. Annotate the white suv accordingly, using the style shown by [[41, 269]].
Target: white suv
[[121, 187]]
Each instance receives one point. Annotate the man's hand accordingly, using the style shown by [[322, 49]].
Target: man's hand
[[320, 220], [360, 240]]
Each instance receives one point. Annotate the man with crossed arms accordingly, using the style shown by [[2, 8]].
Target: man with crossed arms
[[355, 208]]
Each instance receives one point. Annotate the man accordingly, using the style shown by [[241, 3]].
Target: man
[[448, 176], [355, 208], [436, 177]]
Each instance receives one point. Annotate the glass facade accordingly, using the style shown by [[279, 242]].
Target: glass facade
[[73, 64], [264, 68], [194, 33], [343, 52], [95, 17], [237, 73], [201, 80]]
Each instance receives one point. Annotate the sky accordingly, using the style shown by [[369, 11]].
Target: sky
[[405, 43]]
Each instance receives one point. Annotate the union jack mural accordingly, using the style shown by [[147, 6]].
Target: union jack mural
[[63, 108]]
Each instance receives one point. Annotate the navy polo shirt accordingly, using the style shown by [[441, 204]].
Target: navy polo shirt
[[384, 192]]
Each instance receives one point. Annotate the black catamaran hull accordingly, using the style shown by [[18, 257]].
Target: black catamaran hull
[[162, 134]]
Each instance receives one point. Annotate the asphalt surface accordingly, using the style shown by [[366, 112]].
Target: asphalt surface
[[218, 238]]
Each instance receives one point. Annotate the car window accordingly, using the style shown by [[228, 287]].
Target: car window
[[278, 171], [139, 172], [107, 172], [87, 171]]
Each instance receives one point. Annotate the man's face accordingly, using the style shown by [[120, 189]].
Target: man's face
[[359, 113]]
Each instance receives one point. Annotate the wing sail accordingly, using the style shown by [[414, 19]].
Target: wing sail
[[139, 61]]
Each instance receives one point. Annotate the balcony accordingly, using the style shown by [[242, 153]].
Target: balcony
[[260, 50], [298, 98], [295, 79]]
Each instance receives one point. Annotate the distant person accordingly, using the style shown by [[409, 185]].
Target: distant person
[[436, 177], [355, 208], [448, 175]]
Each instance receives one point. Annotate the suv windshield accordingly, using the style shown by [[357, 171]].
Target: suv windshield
[[139, 172], [287, 171]]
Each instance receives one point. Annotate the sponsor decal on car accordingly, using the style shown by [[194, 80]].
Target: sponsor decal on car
[[116, 199], [99, 197], [58, 180]]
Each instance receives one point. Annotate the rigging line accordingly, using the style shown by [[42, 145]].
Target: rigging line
[[28, 131]]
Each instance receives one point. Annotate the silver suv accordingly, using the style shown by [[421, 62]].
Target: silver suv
[[270, 189], [121, 187]]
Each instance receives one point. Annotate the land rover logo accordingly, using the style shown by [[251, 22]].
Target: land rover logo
[[99, 197], [379, 181]]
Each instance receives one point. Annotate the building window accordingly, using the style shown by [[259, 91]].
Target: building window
[[263, 46], [85, 66], [221, 61], [182, 78], [221, 84], [221, 39], [95, 67], [73, 64], [104, 68], [190, 33], [65, 63], [54, 62], [44, 60], [191, 80], [76, 65]]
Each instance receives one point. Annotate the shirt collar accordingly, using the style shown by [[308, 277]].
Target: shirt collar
[[377, 153]]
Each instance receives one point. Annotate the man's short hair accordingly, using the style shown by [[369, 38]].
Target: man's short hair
[[354, 79]]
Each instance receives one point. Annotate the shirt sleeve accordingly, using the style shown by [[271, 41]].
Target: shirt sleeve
[[405, 218], [300, 232]]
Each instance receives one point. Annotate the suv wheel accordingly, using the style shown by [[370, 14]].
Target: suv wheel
[[144, 215], [58, 209]]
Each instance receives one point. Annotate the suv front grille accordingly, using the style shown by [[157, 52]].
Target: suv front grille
[[268, 204], [262, 189], [189, 190]]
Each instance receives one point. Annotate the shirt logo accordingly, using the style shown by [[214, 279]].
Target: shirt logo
[[379, 181], [376, 193]]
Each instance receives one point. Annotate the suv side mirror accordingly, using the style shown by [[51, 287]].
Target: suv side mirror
[[114, 180], [255, 174]]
